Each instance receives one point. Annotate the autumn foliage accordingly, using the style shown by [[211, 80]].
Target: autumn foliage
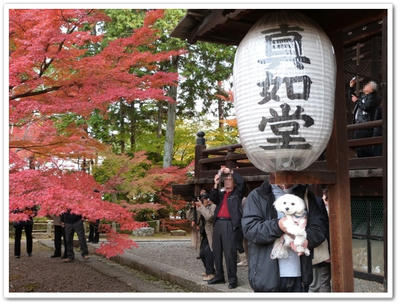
[[57, 66], [141, 185], [49, 72]]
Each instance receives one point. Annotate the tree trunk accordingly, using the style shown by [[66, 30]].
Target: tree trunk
[[122, 126], [220, 114], [159, 119], [170, 132], [132, 117]]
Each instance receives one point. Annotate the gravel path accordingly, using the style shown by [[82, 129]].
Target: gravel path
[[101, 275], [47, 274], [182, 255]]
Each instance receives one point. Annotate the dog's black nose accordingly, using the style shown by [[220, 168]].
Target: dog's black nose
[[287, 209]]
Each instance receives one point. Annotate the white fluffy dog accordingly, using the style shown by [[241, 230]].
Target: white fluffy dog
[[294, 209]]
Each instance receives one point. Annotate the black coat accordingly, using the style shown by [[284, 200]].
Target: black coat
[[31, 212], [365, 107], [260, 227], [234, 201], [70, 218]]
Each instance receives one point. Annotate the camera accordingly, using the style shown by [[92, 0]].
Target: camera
[[203, 196]]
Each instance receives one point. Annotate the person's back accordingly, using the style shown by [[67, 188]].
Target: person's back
[[27, 226], [73, 223]]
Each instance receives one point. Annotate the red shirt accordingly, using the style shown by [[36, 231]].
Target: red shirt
[[223, 211]]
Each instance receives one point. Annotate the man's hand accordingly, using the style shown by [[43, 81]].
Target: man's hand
[[217, 179], [352, 82], [225, 170], [354, 98], [198, 203], [294, 248]]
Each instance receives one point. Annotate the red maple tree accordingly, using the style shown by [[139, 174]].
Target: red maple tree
[[143, 185], [53, 72]]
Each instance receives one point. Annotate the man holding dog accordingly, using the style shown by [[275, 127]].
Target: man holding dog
[[261, 226]]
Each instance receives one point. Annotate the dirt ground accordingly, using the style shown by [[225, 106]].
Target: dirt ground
[[53, 275]]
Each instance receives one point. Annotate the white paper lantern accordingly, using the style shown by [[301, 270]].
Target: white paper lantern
[[284, 84]]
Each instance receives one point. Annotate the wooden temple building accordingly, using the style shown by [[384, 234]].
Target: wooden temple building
[[357, 186]]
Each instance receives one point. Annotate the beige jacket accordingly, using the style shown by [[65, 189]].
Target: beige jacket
[[208, 214], [56, 220], [195, 237]]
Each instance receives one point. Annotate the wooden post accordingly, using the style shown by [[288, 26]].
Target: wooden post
[[384, 146], [230, 163], [200, 146], [339, 193]]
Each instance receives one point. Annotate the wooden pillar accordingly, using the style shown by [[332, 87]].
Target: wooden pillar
[[230, 163], [339, 192], [200, 147], [383, 89]]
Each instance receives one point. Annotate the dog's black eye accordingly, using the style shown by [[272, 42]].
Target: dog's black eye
[[292, 203], [284, 202]]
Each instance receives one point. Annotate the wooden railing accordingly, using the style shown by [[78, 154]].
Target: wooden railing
[[210, 160]]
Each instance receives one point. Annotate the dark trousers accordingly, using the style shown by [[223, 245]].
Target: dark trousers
[[224, 241], [321, 278], [292, 284], [206, 255], [94, 232], [70, 229], [366, 151], [239, 240], [59, 233], [18, 234]]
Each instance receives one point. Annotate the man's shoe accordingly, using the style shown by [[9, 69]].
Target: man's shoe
[[29, 254], [53, 256], [67, 260], [85, 257], [17, 256], [216, 280], [232, 285]]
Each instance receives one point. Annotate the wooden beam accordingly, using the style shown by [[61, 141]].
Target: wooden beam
[[244, 171], [366, 125], [365, 141], [339, 193], [186, 191], [365, 163], [257, 178], [368, 186], [222, 148], [227, 157], [310, 177]]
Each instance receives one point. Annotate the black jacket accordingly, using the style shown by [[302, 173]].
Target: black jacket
[[31, 212], [260, 227], [70, 218], [365, 107], [325, 216], [234, 201]]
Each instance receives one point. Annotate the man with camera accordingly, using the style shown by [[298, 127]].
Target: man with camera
[[205, 208], [365, 107], [227, 223]]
